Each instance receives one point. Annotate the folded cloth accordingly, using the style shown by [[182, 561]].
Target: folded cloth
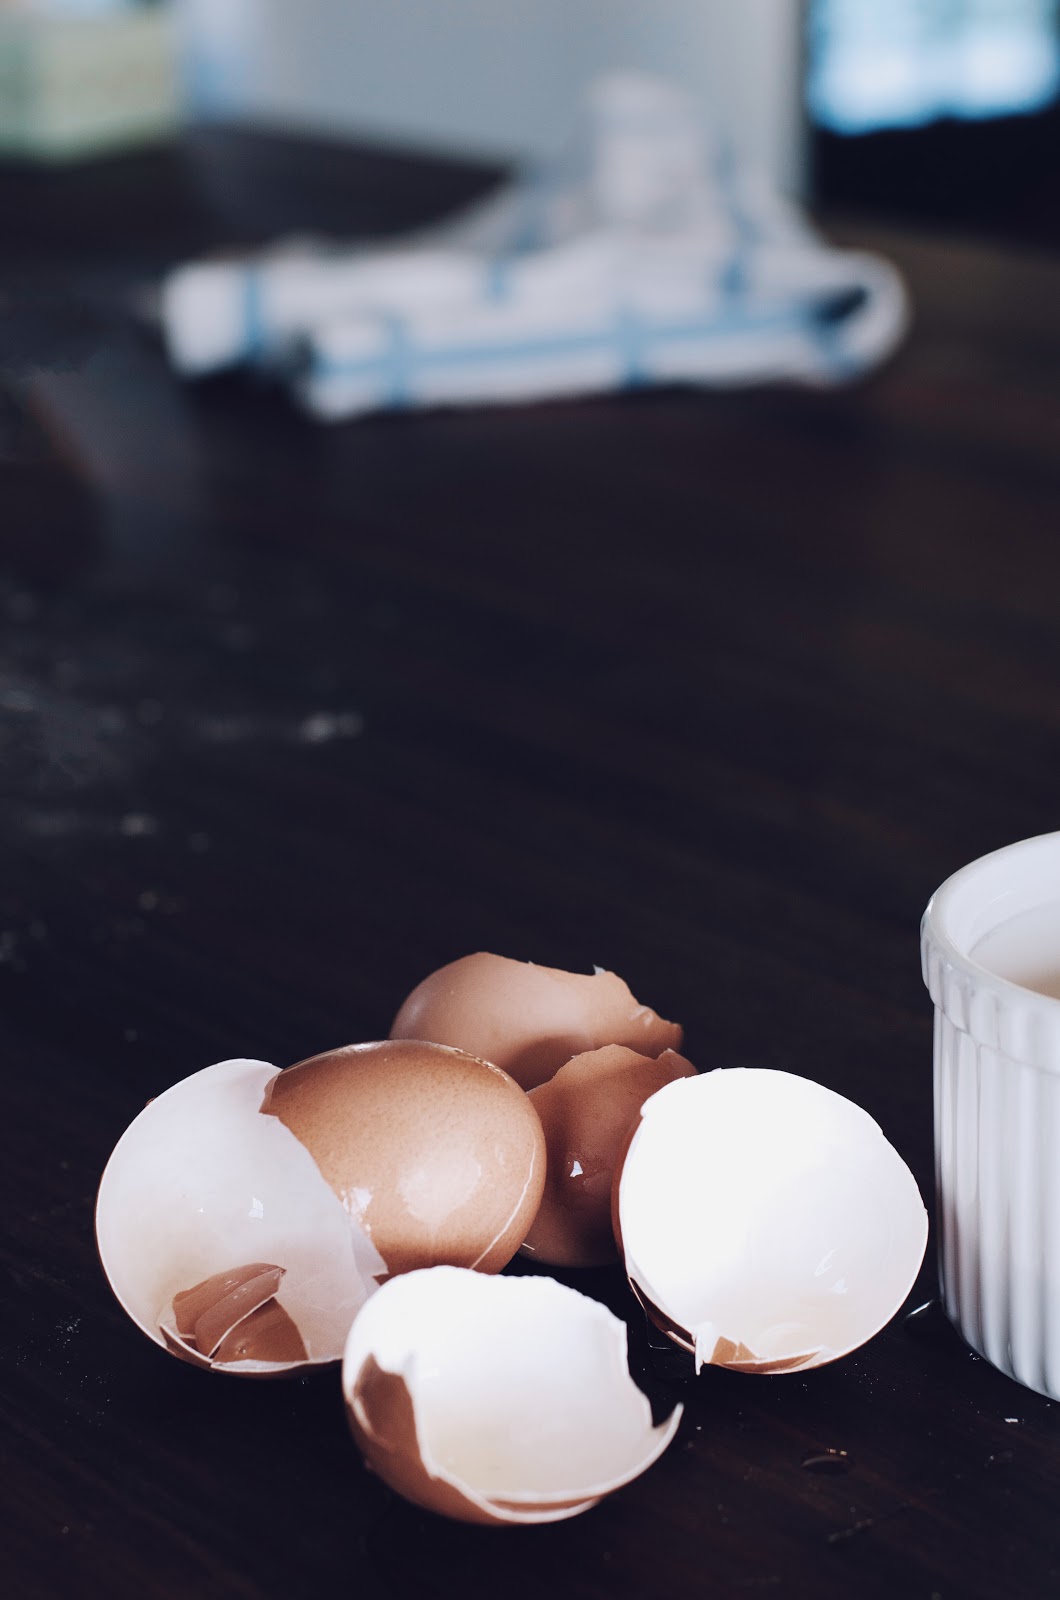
[[644, 254]]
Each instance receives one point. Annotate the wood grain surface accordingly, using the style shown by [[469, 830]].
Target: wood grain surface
[[710, 689]]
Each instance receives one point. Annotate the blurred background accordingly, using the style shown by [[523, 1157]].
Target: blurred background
[[945, 110]]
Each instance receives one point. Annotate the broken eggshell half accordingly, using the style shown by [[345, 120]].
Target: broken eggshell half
[[497, 1400], [246, 1214], [527, 1019], [766, 1223], [210, 1213], [587, 1110]]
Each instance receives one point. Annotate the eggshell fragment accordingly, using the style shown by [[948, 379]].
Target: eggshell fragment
[[498, 1400], [204, 1196], [766, 1223], [528, 1019], [586, 1110], [439, 1156], [204, 1316]]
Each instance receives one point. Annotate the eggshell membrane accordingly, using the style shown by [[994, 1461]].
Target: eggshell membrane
[[201, 1183], [502, 1400], [767, 1224], [439, 1156], [527, 1019], [586, 1110]]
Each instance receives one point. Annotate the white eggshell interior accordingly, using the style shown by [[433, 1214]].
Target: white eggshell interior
[[202, 1182], [761, 1208], [520, 1386]]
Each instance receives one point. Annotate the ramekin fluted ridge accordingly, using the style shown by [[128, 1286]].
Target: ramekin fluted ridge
[[997, 1118]]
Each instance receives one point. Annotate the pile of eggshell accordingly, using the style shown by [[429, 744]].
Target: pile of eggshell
[[359, 1204]]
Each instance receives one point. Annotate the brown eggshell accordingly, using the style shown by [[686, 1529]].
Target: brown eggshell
[[529, 1019], [439, 1156], [382, 1420], [586, 1110], [205, 1313]]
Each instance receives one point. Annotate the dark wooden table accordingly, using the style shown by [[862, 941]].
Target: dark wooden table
[[713, 690]]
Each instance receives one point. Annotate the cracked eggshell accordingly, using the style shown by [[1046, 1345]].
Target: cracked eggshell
[[529, 1020], [496, 1400], [767, 1225], [203, 1196], [440, 1157], [586, 1110]]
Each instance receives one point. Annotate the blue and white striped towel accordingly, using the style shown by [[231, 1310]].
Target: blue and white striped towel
[[644, 254]]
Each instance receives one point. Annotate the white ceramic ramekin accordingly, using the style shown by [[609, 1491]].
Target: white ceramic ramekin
[[997, 1118]]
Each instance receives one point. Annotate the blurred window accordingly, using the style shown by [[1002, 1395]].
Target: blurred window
[[944, 112], [876, 64]]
